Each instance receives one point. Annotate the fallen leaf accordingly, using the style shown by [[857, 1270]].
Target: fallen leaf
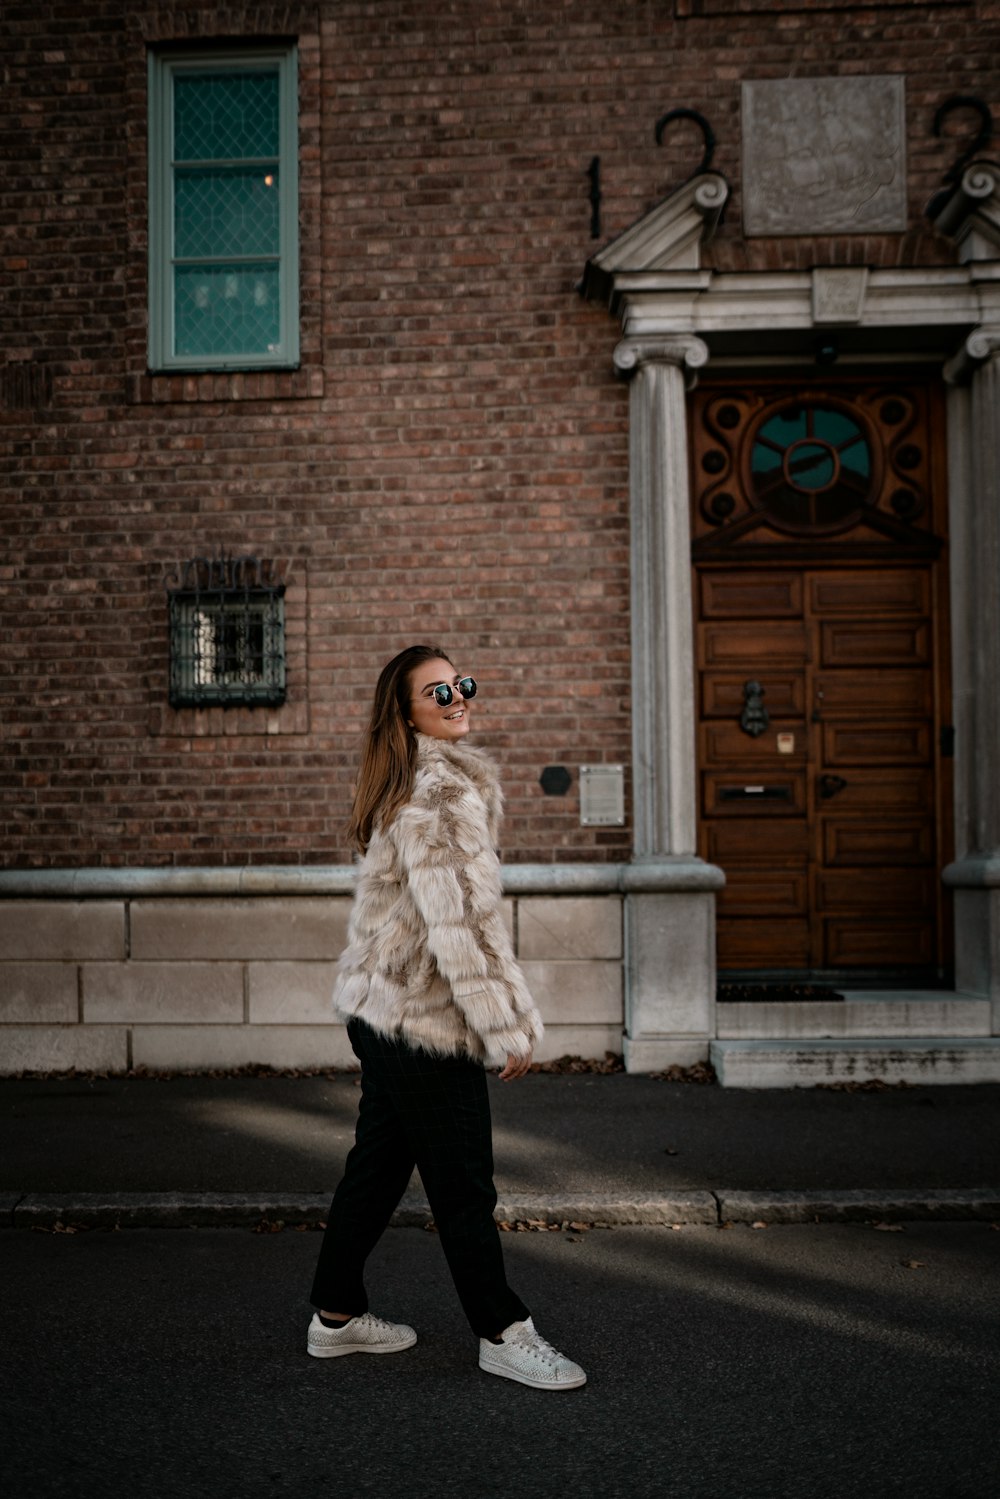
[[759, 1224], [669, 1150], [580, 1228], [913, 1264], [676, 1227], [888, 1228], [269, 1226]]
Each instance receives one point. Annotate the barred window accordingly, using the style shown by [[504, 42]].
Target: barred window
[[227, 634], [223, 209]]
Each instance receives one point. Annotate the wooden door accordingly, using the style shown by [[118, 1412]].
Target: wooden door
[[823, 791], [825, 818]]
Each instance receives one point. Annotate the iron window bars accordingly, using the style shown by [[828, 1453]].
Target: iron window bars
[[227, 634]]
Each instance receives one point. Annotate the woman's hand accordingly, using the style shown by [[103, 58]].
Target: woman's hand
[[516, 1067]]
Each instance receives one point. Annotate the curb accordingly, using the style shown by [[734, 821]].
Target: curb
[[712, 1207]]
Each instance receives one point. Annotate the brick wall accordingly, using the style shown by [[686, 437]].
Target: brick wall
[[450, 461]]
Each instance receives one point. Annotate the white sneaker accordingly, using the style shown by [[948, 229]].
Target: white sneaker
[[364, 1334], [525, 1356]]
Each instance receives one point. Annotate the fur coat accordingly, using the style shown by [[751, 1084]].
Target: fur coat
[[429, 956]]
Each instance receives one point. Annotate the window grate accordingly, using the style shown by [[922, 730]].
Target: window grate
[[227, 633]]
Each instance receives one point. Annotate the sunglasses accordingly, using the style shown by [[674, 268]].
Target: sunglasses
[[444, 693]]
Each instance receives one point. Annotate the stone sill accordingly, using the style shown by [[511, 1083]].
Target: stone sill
[[683, 873]]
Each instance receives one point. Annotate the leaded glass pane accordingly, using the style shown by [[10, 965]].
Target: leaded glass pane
[[226, 211], [226, 310], [229, 116]]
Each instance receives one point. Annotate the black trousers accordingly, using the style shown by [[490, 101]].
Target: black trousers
[[432, 1112]]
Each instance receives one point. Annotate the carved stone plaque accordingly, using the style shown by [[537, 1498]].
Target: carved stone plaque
[[824, 156]]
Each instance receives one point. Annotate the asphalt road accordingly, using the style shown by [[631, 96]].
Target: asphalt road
[[724, 1364], [560, 1135]]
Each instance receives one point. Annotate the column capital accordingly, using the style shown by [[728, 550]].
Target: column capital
[[685, 351], [982, 344]]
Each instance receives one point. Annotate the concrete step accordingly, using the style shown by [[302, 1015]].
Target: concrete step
[[862, 1013], [771, 1063]]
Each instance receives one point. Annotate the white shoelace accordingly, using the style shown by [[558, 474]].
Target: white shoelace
[[533, 1342]]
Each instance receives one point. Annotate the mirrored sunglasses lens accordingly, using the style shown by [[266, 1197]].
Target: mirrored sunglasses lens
[[443, 695], [467, 687]]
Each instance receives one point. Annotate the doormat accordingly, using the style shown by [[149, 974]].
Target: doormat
[[742, 994]]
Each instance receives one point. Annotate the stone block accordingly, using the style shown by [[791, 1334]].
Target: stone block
[[59, 1048], [577, 993], [42, 931], [291, 993], [571, 927], [671, 947], [38, 992], [804, 1063], [660, 1052], [302, 927], [175, 993], [590, 1041], [211, 1046]]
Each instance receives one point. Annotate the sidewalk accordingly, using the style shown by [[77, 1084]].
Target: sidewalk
[[591, 1148]]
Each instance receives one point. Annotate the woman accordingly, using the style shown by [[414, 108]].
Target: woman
[[432, 997]]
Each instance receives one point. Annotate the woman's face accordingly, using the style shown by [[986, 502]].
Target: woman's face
[[426, 716]]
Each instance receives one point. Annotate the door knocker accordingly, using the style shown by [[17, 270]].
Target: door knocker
[[754, 719]]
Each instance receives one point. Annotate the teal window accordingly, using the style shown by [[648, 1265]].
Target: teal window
[[223, 210], [811, 466]]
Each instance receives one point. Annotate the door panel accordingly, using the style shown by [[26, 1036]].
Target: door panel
[[886, 792], [908, 889], [889, 642], [903, 691], [753, 942], [774, 641], [778, 892], [885, 844], [751, 595], [905, 591], [889, 744], [861, 944], [746, 841], [774, 795], [727, 744], [722, 694]]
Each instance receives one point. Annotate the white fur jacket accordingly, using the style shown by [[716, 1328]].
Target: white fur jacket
[[428, 955]]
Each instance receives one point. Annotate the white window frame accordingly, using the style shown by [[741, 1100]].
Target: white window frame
[[164, 67]]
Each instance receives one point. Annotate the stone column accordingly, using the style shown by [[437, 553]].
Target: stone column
[[670, 900], [974, 416]]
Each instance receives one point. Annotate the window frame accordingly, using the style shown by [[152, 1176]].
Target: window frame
[[163, 68], [192, 612]]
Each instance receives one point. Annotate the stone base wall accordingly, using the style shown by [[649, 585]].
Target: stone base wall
[[217, 981]]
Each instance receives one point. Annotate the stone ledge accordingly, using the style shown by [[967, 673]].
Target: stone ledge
[[682, 873]]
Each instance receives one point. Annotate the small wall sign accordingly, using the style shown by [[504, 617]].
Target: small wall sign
[[602, 796]]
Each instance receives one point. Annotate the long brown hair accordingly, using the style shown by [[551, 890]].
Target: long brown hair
[[389, 751]]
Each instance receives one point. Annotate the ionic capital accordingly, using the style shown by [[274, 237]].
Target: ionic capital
[[684, 350]]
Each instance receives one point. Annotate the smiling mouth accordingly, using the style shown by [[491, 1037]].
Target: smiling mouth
[[454, 717]]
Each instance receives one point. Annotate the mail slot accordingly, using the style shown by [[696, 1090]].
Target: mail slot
[[755, 793]]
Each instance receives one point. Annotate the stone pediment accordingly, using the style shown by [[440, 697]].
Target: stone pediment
[[668, 238], [970, 213]]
